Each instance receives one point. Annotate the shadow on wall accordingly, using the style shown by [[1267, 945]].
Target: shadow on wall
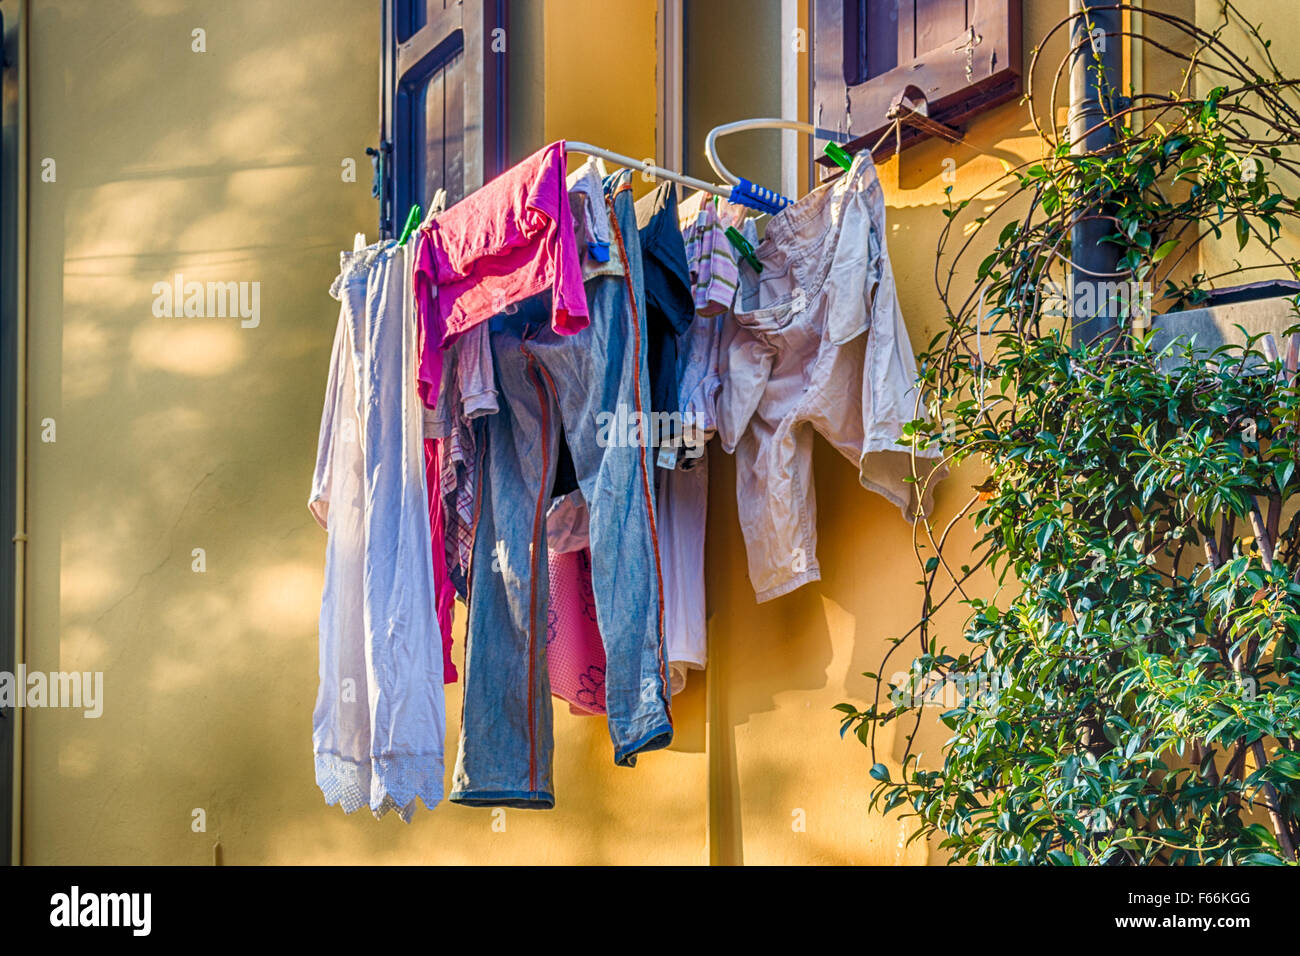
[[170, 545], [171, 548]]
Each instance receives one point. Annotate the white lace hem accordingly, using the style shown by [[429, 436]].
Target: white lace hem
[[395, 783]]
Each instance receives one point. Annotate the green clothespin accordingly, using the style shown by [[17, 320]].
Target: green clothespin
[[838, 153], [412, 220], [744, 248]]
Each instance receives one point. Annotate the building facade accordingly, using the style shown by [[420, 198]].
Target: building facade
[[163, 540]]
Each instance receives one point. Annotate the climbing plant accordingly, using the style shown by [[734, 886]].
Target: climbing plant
[[1127, 692]]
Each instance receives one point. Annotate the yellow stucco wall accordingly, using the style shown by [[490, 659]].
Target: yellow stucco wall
[[175, 434], [1274, 21], [600, 74]]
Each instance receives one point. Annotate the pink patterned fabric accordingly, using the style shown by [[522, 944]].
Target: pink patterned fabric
[[575, 653], [444, 593]]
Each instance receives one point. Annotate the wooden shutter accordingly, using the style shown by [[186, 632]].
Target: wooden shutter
[[443, 115], [962, 56]]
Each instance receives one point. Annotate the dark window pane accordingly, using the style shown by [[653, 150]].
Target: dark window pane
[[873, 41], [453, 148], [880, 38], [429, 121], [411, 15]]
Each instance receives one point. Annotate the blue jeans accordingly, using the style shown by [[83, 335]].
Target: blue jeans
[[548, 381]]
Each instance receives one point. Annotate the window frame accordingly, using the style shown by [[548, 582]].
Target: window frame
[[408, 58], [938, 76]]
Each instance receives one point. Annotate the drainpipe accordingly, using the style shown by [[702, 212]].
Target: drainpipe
[[1096, 72], [1096, 75]]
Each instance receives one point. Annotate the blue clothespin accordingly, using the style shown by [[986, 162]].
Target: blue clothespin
[[758, 197]]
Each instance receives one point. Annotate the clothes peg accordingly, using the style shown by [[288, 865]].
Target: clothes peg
[[758, 197], [744, 248], [412, 220], [838, 153], [437, 205]]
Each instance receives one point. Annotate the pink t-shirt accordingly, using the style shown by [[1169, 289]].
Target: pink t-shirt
[[508, 241]]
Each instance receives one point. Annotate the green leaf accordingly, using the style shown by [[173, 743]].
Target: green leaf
[[1263, 859], [1164, 249], [1287, 764]]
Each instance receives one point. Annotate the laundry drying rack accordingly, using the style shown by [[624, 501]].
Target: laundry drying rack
[[737, 189]]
